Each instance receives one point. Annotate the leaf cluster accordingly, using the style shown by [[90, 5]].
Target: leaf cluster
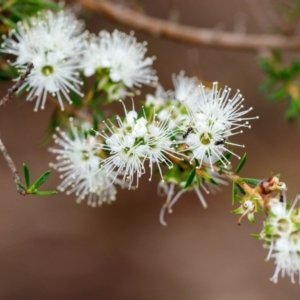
[[282, 82], [13, 11], [32, 189]]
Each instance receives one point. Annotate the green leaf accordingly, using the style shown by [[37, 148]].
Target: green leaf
[[267, 85], [26, 175], [292, 111], [237, 211], [252, 181], [233, 193], [241, 164], [251, 217], [238, 188], [51, 5], [256, 236], [198, 181], [266, 66], [295, 67], [190, 178], [44, 193], [41, 179], [279, 94], [7, 22], [95, 123]]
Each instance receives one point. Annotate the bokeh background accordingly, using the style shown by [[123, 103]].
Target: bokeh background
[[52, 248]]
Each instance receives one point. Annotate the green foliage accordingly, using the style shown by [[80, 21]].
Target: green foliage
[[241, 164], [233, 193], [33, 189], [190, 178], [236, 190], [282, 82], [13, 11], [252, 181], [7, 72]]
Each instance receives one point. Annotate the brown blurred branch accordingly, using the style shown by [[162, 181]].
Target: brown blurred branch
[[15, 87], [188, 34], [10, 93], [12, 167]]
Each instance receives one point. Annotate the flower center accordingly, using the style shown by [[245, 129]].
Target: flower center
[[283, 225], [205, 138], [85, 155], [126, 149], [47, 70]]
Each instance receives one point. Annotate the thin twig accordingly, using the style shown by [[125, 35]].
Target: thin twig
[[188, 34], [13, 168], [6, 98], [16, 86]]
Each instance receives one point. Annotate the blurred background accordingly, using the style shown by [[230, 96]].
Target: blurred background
[[53, 248]]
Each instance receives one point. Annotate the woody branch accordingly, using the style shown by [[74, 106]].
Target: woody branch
[[9, 95], [188, 34]]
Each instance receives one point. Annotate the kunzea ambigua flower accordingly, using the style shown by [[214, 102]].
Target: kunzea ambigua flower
[[185, 89], [119, 58], [78, 161], [281, 233], [183, 94], [53, 42], [213, 121], [135, 141]]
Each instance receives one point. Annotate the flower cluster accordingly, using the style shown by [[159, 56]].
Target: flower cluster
[[53, 42], [281, 233], [79, 162], [177, 100], [59, 50], [207, 118], [134, 141], [122, 56], [184, 134]]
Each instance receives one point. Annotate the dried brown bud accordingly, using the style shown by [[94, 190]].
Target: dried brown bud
[[267, 186]]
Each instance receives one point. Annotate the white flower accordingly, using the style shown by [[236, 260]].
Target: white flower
[[79, 162], [185, 89], [213, 121], [206, 143], [286, 254], [280, 222], [101, 187], [160, 147], [126, 157], [53, 42], [135, 141], [282, 235], [160, 97], [122, 55]]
